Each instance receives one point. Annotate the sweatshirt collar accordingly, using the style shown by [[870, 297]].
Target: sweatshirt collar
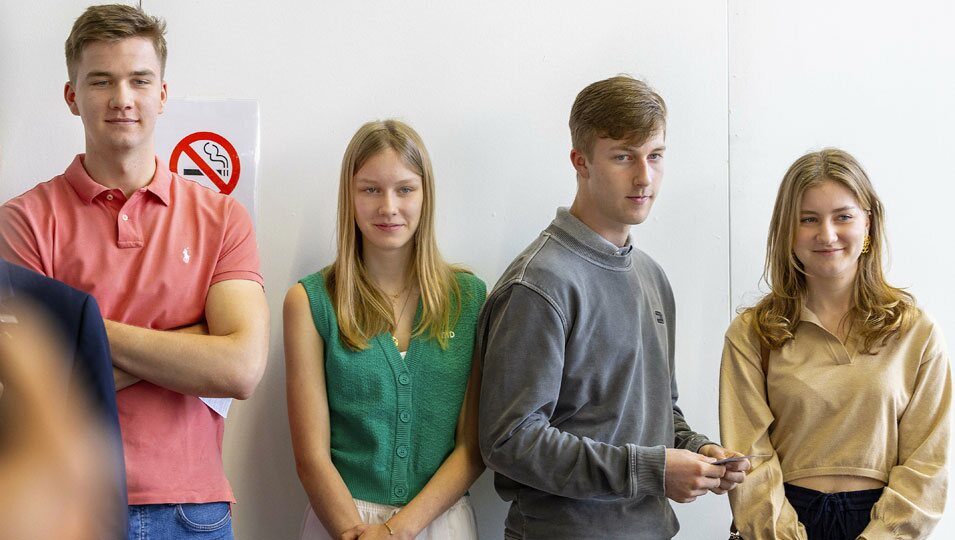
[[588, 243]]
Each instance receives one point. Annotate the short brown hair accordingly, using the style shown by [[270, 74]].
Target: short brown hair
[[111, 23], [621, 108]]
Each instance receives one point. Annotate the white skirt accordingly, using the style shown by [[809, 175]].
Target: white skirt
[[456, 523]]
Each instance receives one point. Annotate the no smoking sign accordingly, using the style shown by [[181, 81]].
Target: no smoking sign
[[208, 156], [204, 140]]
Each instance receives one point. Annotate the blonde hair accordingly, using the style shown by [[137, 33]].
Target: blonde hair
[[621, 108], [878, 309], [111, 23], [362, 309]]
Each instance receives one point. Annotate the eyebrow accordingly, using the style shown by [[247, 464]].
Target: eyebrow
[[630, 148], [137, 73], [369, 180], [840, 209]]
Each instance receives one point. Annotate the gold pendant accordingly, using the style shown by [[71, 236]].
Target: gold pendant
[[395, 340]]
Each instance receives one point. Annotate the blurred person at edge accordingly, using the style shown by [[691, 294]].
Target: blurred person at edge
[[76, 326], [56, 480]]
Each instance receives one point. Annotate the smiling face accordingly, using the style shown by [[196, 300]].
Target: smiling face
[[617, 184], [118, 92], [388, 197], [831, 229]]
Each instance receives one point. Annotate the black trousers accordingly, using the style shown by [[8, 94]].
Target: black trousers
[[832, 516]]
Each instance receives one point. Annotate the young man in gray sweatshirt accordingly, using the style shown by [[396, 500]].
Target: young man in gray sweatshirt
[[578, 414]]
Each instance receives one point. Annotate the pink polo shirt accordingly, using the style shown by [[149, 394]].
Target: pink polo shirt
[[149, 260]]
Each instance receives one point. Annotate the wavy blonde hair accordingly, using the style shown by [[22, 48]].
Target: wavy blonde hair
[[878, 310], [363, 310]]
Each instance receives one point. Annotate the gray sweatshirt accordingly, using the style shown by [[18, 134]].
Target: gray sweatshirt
[[578, 399]]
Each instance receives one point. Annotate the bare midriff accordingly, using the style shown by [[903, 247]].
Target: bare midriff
[[836, 483]]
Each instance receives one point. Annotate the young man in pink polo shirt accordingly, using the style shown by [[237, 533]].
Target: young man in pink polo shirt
[[172, 264]]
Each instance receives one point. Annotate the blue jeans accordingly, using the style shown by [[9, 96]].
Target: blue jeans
[[207, 521], [832, 516]]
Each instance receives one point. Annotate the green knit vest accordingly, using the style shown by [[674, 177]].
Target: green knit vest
[[393, 420]]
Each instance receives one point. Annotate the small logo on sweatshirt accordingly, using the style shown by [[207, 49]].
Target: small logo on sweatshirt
[[185, 255], [659, 316]]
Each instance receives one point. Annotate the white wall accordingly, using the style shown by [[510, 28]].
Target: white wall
[[489, 85]]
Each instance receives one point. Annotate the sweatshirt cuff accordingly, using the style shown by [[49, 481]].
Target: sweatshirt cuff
[[647, 464], [699, 441], [878, 530]]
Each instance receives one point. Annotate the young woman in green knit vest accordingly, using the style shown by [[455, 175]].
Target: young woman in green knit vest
[[382, 397]]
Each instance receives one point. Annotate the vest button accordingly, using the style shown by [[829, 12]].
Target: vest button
[[404, 416], [402, 451], [404, 379]]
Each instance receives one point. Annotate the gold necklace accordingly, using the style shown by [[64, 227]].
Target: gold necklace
[[401, 313], [398, 294]]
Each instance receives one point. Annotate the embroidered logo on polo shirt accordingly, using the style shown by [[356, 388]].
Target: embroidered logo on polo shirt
[[659, 316], [185, 255]]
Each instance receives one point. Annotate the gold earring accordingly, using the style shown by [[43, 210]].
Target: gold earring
[[866, 244]]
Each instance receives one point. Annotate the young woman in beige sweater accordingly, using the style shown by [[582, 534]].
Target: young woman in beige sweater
[[835, 375]]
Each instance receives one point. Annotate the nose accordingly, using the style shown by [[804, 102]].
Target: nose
[[643, 174], [389, 205], [122, 97], [826, 233]]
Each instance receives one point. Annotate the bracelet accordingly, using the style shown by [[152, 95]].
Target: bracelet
[[390, 530]]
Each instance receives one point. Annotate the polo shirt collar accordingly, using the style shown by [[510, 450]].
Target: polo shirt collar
[[844, 352], [88, 189], [806, 315]]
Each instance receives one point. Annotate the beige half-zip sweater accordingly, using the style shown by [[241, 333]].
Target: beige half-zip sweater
[[829, 409]]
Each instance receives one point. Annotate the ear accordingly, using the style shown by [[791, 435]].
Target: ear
[[580, 163], [69, 95], [164, 92]]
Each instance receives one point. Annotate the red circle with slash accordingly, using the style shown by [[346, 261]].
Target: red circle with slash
[[224, 179]]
